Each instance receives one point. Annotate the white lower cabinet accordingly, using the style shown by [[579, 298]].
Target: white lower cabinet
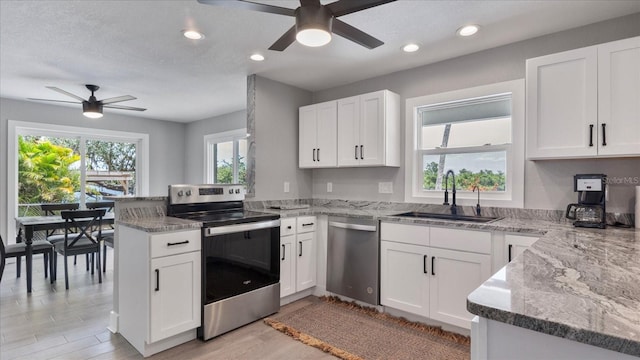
[[404, 277], [159, 288], [298, 254], [455, 274], [516, 245], [429, 281]]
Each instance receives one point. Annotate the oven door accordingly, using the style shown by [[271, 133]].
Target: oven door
[[239, 258]]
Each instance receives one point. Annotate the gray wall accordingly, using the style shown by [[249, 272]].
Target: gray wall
[[276, 141], [194, 144], [166, 141], [548, 184]]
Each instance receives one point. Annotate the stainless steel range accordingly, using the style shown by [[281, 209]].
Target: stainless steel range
[[240, 255]]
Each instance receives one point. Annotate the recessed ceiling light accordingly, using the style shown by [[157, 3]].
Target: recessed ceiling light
[[468, 30], [193, 34], [256, 57], [410, 48]]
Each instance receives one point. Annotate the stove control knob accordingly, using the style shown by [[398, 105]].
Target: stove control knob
[[180, 193], [230, 191], [188, 192], [237, 191]]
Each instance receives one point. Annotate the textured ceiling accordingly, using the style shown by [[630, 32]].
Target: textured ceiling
[[136, 47]]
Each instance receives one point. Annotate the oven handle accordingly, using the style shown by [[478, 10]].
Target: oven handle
[[230, 229]]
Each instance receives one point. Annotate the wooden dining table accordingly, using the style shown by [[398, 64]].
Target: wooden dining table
[[26, 226]]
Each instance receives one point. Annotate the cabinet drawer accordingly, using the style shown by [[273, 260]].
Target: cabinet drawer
[[306, 224], [465, 240], [172, 243], [409, 234], [287, 226]]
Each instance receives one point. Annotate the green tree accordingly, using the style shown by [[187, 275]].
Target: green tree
[[486, 180], [44, 173], [224, 172]]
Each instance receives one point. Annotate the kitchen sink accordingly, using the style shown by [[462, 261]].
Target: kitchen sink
[[426, 215]]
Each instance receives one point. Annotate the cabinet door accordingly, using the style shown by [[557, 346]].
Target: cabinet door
[[307, 136], [305, 261], [372, 129], [562, 105], [516, 245], [404, 277], [349, 131], [287, 266], [454, 275], [326, 153], [175, 295], [619, 97]]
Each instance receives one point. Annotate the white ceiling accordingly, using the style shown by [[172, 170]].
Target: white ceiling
[[136, 47]]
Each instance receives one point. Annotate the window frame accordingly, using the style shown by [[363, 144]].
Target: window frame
[[210, 153], [514, 196], [16, 128]]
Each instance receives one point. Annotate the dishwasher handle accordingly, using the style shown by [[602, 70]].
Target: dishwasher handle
[[359, 227]]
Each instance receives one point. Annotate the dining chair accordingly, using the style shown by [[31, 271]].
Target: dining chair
[[54, 209], [82, 241], [20, 249], [107, 235]]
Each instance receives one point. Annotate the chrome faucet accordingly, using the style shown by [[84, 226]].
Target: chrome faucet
[[478, 204], [454, 208]]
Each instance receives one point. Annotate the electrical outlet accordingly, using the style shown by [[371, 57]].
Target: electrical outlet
[[385, 188], [329, 187], [286, 186]]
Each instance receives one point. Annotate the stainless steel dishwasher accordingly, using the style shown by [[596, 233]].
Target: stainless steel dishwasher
[[353, 253]]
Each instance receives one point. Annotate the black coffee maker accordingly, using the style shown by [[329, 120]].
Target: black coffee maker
[[590, 211]]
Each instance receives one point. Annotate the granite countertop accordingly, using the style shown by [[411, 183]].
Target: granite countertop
[[579, 284], [160, 224], [575, 283], [136, 198]]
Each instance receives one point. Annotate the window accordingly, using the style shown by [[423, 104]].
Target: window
[[56, 164], [226, 157], [478, 133]]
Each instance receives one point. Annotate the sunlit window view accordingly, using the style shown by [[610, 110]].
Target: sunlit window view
[[50, 170], [229, 158], [471, 137]]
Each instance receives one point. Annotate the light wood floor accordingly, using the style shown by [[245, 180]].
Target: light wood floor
[[52, 323]]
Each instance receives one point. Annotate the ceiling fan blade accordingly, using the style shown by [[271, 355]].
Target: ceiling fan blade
[[357, 36], [249, 5], [62, 101], [344, 7], [310, 2], [117, 99], [285, 40], [124, 107], [65, 93]]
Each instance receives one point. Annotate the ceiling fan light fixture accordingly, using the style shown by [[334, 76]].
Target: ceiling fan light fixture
[[257, 57], [92, 110], [313, 26]]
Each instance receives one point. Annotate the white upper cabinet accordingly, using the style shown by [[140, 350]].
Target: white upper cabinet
[[585, 102], [619, 97], [369, 130], [317, 135]]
